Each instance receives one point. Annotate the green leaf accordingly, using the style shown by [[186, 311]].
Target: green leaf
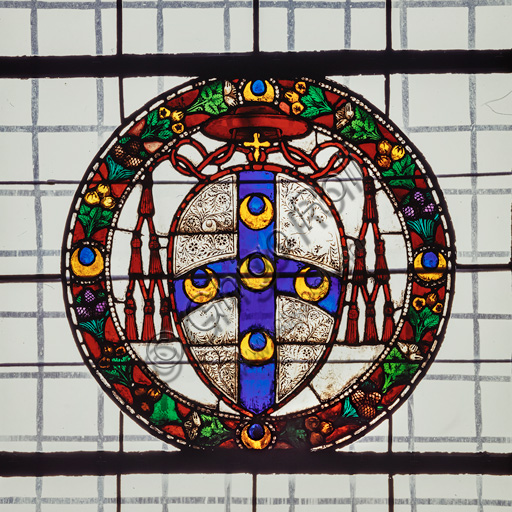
[[215, 108], [317, 94], [414, 317], [85, 209], [349, 410], [308, 101], [424, 228], [154, 128], [120, 372], [422, 321], [149, 132], [96, 327], [117, 172], [409, 184], [432, 321], [397, 369], [210, 100], [94, 218], [105, 218], [212, 431], [87, 216], [165, 134], [315, 103], [217, 99], [209, 91], [165, 412], [152, 118], [310, 112], [295, 434], [362, 127], [402, 167]]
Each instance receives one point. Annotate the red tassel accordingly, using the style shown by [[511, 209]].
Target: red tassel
[[360, 276], [389, 324], [370, 328], [166, 319], [131, 325], [155, 264], [369, 210], [136, 259], [381, 266], [146, 206], [352, 335], [148, 326]]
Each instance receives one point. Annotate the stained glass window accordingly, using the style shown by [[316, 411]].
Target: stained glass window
[[458, 121], [228, 265]]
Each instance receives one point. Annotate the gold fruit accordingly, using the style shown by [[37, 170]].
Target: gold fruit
[[120, 352], [104, 363], [92, 198], [103, 190], [312, 423], [384, 161], [397, 152], [431, 298], [300, 87], [291, 96], [178, 128], [164, 112], [297, 108], [177, 115], [418, 303], [108, 351], [154, 393], [384, 147], [108, 202], [145, 407], [326, 428], [316, 439], [438, 308]]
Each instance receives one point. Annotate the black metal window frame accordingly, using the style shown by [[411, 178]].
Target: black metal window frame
[[384, 62]]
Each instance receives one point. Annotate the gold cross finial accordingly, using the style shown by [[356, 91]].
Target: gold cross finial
[[256, 144]]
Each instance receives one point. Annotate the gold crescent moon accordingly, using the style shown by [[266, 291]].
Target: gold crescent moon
[[202, 295], [308, 293], [258, 282], [256, 221], [252, 444], [267, 97], [92, 270], [430, 275], [257, 356]]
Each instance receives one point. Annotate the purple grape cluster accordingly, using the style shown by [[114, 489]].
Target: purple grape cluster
[[408, 211], [90, 305], [418, 205]]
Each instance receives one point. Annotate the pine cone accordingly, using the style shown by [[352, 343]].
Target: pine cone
[[127, 154]]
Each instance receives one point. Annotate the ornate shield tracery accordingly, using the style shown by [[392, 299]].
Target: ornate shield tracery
[[282, 239]]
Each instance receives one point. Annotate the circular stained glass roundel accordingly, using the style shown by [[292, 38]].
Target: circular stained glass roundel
[[258, 265]]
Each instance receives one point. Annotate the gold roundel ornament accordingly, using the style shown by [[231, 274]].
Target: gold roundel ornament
[[87, 262], [302, 229], [261, 217], [204, 293], [313, 292], [256, 272]]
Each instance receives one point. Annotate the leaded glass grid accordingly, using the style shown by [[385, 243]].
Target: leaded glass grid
[[463, 132]]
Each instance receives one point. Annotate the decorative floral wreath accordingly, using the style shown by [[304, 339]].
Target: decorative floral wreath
[[300, 135]]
